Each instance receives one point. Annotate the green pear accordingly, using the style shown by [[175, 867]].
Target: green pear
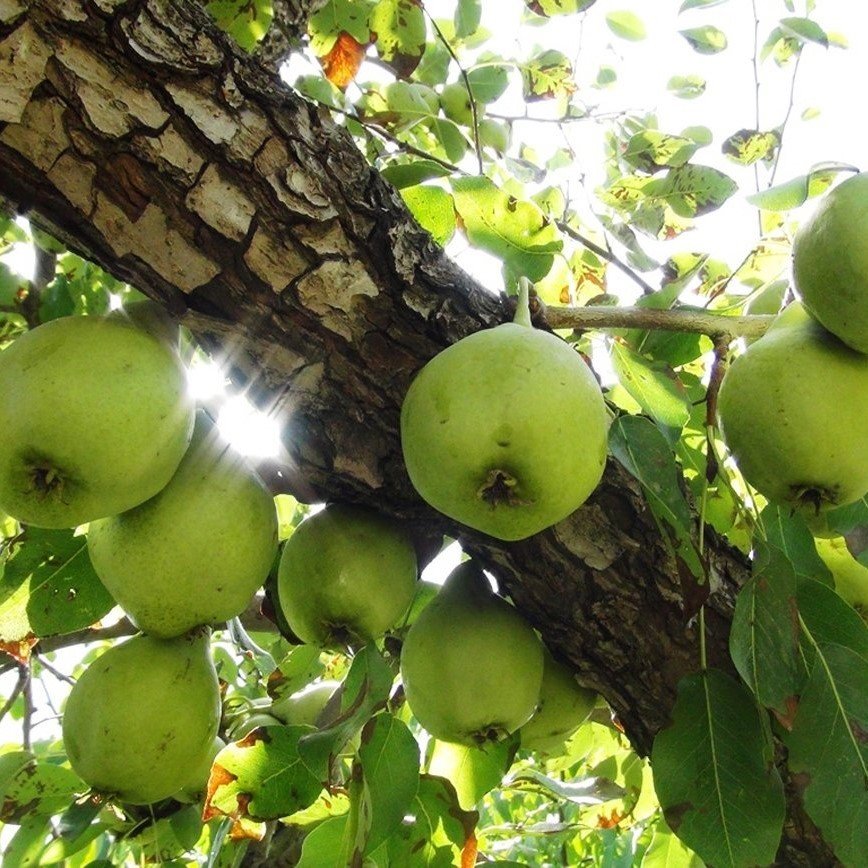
[[94, 419], [851, 577], [562, 708], [830, 262], [197, 551], [306, 705], [456, 103], [506, 430], [198, 782], [767, 301], [142, 717], [244, 726], [346, 576], [471, 665], [792, 410], [494, 135]]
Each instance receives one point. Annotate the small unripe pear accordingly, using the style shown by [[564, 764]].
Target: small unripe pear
[[346, 576], [472, 667], [306, 705], [142, 717], [562, 708]]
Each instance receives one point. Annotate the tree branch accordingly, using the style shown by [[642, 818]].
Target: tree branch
[[678, 320], [606, 254]]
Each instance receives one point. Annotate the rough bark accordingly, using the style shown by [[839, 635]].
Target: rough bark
[[134, 133]]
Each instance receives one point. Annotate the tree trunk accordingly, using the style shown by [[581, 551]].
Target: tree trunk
[[134, 133]]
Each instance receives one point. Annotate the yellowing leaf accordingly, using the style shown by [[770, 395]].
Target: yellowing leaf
[[342, 62]]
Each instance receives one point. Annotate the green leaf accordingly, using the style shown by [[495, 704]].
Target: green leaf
[[764, 639], [791, 194], [705, 40], [515, 230], [829, 620], [806, 30], [319, 89], [699, 4], [646, 454], [627, 25], [450, 138], [666, 851], [31, 788], [718, 790], [265, 775], [828, 751], [788, 533], [433, 209], [746, 147], [48, 586], [327, 846], [56, 299], [487, 83], [336, 17], [653, 385], [550, 8], [10, 285], [389, 759], [24, 848], [651, 150], [782, 45], [439, 828], [691, 190], [468, 14], [686, 86], [473, 771], [246, 21], [547, 75], [410, 174], [400, 31]]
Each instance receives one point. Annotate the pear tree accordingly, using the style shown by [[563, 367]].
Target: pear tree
[[561, 299]]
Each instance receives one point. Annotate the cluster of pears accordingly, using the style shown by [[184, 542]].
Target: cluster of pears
[[506, 430], [793, 407], [473, 670], [96, 426]]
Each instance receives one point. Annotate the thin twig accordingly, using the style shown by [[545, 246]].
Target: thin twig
[[786, 119], [27, 693], [716, 326], [390, 137], [123, 628], [473, 111], [605, 254], [55, 672], [16, 690]]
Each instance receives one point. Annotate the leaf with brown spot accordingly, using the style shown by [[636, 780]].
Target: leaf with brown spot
[[827, 746], [342, 62], [265, 775], [31, 788], [47, 587], [716, 786], [399, 31]]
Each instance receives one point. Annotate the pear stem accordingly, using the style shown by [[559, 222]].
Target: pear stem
[[522, 309]]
